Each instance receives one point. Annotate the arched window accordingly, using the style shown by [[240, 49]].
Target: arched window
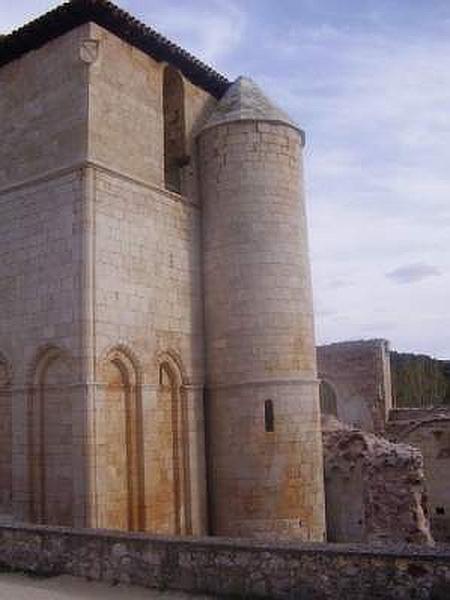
[[328, 399], [120, 451], [52, 437], [175, 155], [269, 417], [174, 515]]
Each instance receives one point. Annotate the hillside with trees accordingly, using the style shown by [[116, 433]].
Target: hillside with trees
[[419, 380]]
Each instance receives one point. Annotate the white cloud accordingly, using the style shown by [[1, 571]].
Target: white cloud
[[375, 109], [210, 30]]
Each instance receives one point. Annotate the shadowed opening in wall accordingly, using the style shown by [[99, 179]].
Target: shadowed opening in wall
[[328, 399], [175, 156], [269, 417]]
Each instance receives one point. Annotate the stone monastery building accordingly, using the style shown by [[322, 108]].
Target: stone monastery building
[[157, 356]]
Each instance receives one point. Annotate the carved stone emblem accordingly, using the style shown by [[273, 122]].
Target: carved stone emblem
[[89, 51]]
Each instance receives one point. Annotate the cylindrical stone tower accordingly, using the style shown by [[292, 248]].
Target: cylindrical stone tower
[[264, 439]]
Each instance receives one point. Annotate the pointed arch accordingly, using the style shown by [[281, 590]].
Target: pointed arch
[[51, 376], [120, 469], [127, 360], [6, 376], [172, 361], [172, 399], [42, 359], [174, 128]]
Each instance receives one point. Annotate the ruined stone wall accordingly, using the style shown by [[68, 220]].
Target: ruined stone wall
[[358, 374], [429, 430], [233, 568], [375, 489]]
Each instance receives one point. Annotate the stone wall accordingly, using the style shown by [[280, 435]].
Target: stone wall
[[43, 110], [429, 430], [374, 489], [357, 375], [43, 128], [100, 294], [126, 124], [146, 301], [41, 335], [148, 315], [234, 568]]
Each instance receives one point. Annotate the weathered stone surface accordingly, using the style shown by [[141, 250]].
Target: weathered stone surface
[[375, 489], [429, 430], [357, 376], [356, 388]]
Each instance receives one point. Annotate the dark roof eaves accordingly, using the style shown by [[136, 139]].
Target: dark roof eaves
[[72, 14]]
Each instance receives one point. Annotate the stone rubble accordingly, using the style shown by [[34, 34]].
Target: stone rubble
[[391, 480]]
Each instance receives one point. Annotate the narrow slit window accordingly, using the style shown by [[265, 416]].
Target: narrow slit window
[[269, 418]]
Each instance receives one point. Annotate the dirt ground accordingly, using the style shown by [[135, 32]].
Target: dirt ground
[[22, 587]]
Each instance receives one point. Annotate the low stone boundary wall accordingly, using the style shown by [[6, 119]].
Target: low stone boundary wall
[[239, 568]]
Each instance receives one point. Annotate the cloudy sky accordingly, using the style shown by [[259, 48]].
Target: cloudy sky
[[369, 81]]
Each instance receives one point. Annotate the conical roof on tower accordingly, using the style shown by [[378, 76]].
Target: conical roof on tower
[[245, 101]]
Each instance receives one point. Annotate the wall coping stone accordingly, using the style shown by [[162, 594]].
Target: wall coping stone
[[233, 568], [379, 550]]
